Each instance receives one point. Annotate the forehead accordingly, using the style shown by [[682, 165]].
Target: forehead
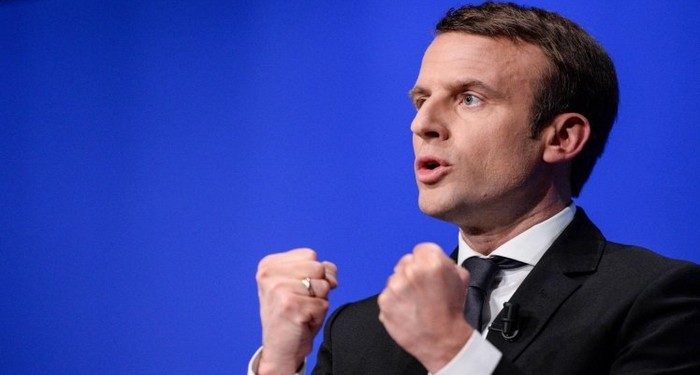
[[500, 63]]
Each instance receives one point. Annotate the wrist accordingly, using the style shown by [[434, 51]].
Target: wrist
[[442, 351], [274, 366]]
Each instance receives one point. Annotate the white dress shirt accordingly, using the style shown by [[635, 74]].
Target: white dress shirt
[[479, 356]]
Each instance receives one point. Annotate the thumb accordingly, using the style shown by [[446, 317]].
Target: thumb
[[463, 275]]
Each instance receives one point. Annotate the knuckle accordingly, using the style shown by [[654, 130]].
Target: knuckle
[[262, 274], [317, 270], [267, 264], [306, 252], [276, 288], [412, 272], [419, 248], [287, 303], [404, 262], [427, 248], [324, 305], [381, 300], [433, 265], [262, 271], [330, 267], [264, 261], [392, 281], [300, 318], [409, 271], [396, 283], [322, 288]]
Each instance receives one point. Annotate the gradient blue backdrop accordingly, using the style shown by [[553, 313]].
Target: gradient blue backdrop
[[153, 151]]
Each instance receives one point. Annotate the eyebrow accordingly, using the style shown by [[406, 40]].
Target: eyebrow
[[461, 85], [416, 90]]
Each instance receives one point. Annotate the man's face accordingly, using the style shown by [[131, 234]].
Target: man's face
[[472, 132]]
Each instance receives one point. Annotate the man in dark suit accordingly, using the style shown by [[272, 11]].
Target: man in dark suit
[[514, 106], [589, 307]]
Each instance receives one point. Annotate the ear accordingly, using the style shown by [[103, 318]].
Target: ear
[[565, 137]]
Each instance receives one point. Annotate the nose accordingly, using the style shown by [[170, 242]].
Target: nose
[[430, 122]]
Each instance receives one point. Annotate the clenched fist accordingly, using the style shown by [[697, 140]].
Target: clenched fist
[[422, 306], [291, 313]]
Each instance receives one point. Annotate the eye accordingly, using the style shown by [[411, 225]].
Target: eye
[[418, 103], [471, 100]]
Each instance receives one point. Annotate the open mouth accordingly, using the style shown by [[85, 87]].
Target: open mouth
[[430, 163], [430, 170]]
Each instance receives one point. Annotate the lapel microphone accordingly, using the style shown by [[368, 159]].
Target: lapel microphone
[[508, 326]]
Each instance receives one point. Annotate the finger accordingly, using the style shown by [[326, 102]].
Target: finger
[[430, 255], [463, 274], [386, 303], [396, 284], [385, 300], [302, 253], [405, 260], [303, 310], [427, 249], [381, 303], [294, 270], [302, 269], [331, 274], [314, 310], [317, 288], [279, 287]]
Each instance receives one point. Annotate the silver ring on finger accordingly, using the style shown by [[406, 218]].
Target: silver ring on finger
[[309, 288]]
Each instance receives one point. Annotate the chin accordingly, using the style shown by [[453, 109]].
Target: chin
[[436, 209], [449, 209]]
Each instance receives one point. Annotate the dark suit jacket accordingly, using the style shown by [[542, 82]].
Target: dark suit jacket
[[589, 307]]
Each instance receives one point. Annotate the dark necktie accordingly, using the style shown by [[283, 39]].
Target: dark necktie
[[481, 274]]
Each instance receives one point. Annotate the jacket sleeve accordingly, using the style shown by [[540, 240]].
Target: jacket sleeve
[[661, 333], [324, 358]]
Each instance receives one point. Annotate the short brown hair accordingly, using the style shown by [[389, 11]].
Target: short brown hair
[[581, 77]]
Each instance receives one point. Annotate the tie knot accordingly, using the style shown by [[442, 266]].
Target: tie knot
[[506, 263], [483, 270]]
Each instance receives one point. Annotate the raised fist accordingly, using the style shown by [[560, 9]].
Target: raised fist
[[422, 306], [293, 290]]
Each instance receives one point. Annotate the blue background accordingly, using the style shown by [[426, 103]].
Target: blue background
[[153, 151]]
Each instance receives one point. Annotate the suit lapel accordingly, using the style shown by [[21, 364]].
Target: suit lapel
[[556, 276]]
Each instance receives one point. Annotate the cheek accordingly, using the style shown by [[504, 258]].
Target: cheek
[[501, 159], [481, 154], [516, 163]]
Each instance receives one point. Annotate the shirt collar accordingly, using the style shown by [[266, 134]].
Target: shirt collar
[[530, 245]]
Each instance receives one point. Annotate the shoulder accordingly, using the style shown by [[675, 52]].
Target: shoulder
[[640, 256], [643, 285], [583, 250], [641, 265]]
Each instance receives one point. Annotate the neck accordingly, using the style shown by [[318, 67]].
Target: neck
[[487, 239]]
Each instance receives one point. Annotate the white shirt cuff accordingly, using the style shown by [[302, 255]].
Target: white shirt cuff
[[478, 356], [255, 360]]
